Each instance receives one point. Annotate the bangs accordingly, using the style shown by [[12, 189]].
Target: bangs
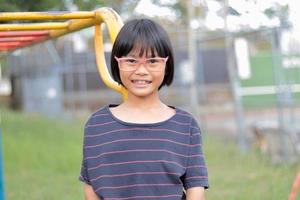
[[140, 49], [143, 39]]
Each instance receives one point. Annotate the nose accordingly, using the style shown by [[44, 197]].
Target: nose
[[141, 69]]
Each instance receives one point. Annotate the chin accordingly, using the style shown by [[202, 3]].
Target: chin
[[142, 93]]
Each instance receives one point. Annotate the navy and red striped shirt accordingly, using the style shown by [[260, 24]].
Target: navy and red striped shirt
[[127, 161]]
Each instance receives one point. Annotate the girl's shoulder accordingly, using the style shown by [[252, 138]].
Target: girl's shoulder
[[181, 111], [187, 116], [99, 115], [102, 111], [184, 113]]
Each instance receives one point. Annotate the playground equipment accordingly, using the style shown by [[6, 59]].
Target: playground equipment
[[15, 36]]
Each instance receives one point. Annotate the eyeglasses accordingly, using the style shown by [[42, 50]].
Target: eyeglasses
[[155, 64]]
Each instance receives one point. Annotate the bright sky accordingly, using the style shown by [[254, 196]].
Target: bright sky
[[251, 13], [146, 7], [251, 16]]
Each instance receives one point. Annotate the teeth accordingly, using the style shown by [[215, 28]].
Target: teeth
[[141, 81]]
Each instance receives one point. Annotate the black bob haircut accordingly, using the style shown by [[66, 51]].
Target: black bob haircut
[[143, 35]]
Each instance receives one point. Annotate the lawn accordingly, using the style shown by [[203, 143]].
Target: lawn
[[42, 159]]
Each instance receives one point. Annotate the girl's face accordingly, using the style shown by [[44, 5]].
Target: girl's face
[[146, 75]]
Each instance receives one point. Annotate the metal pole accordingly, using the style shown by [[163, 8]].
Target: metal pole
[[83, 82], [203, 94], [290, 103], [53, 53], [68, 69], [192, 54], [36, 26], [277, 73], [58, 62], [239, 113], [12, 16]]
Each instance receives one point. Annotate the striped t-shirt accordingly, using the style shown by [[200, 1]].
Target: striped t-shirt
[[124, 161]]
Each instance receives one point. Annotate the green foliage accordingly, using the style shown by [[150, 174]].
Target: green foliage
[[280, 11], [270, 12], [88, 4], [31, 5], [58, 5]]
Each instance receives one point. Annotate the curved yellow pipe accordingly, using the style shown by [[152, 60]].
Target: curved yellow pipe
[[114, 24], [51, 15], [35, 26]]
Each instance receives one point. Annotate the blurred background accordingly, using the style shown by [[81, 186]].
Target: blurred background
[[237, 70]]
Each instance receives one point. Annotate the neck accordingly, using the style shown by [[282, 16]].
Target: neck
[[143, 103]]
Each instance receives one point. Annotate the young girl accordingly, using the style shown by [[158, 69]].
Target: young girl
[[143, 148]]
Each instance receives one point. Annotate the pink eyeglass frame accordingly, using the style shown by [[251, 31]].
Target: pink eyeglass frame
[[141, 60]]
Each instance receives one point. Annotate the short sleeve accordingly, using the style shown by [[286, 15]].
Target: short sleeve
[[83, 174], [196, 171], [84, 177]]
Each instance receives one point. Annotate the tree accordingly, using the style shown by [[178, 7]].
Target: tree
[[30, 5], [58, 5], [279, 11]]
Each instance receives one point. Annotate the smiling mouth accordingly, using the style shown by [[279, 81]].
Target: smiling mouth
[[141, 82]]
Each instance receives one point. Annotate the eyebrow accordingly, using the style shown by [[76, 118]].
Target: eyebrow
[[136, 56]]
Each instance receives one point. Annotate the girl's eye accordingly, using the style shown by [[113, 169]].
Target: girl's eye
[[153, 61], [131, 61]]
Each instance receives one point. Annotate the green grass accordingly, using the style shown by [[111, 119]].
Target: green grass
[[42, 159], [248, 176]]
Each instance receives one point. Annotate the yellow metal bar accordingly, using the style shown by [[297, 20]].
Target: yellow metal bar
[[73, 25], [102, 15], [111, 19], [8, 16], [36, 26], [114, 24]]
